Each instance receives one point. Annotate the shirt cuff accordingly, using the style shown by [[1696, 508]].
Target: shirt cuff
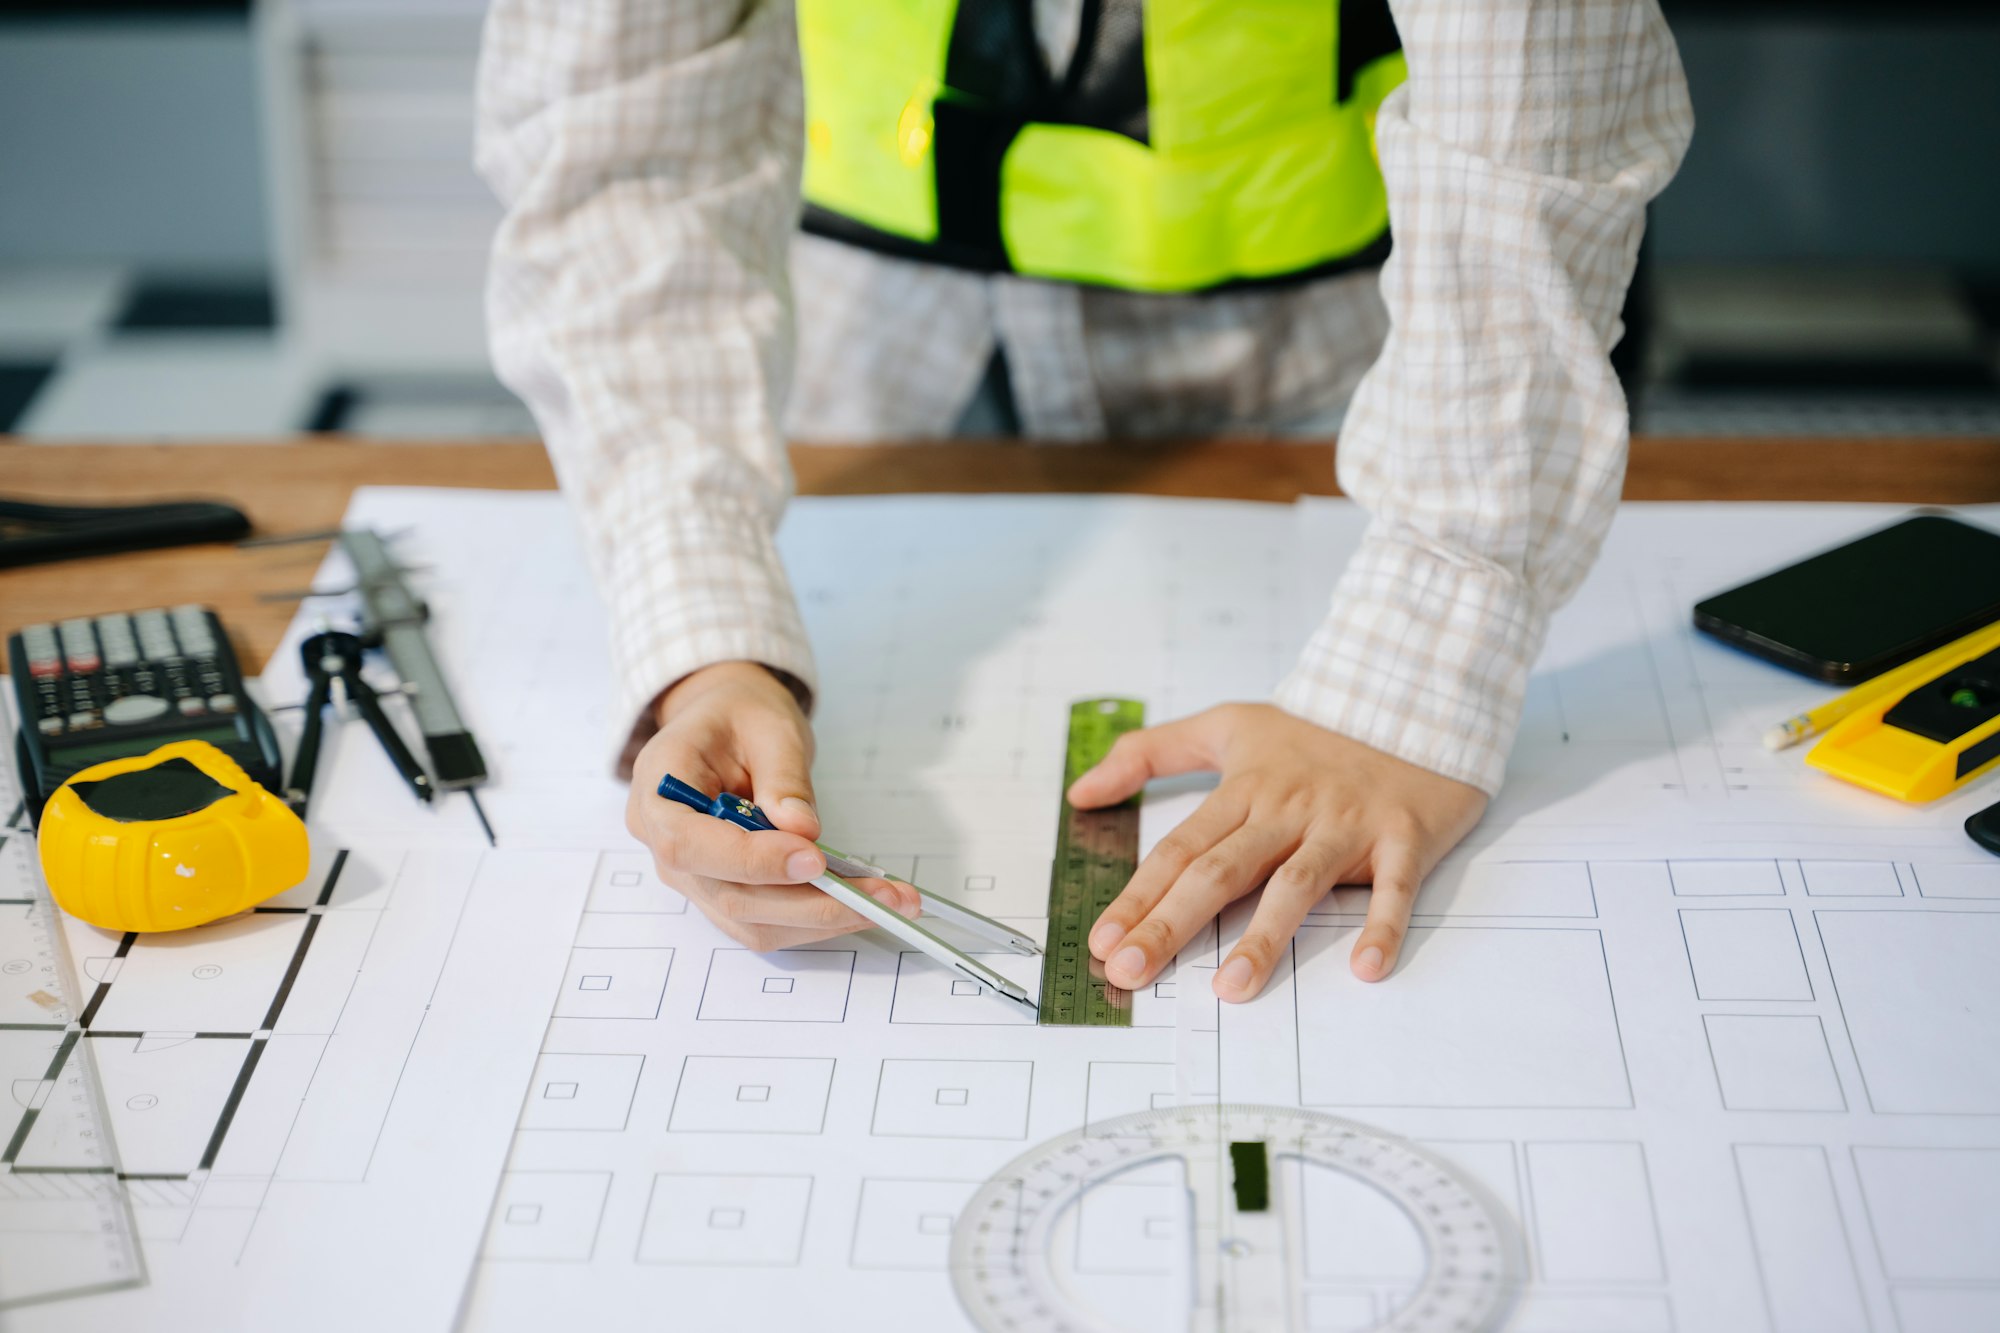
[[1422, 656], [705, 586]]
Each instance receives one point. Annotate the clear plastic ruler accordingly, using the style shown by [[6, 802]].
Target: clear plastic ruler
[[66, 1225], [1021, 1254]]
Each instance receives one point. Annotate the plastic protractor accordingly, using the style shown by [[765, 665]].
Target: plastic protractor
[[1037, 1246]]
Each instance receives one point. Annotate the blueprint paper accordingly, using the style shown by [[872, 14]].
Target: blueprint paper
[[951, 636], [742, 1139], [311, 1101], [704, 1142], [1716, 1094], [739, 1141], [668, 1158], [1718, 1030]]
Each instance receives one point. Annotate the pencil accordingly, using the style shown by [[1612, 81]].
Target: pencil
[[1813, 721], [741, 812]]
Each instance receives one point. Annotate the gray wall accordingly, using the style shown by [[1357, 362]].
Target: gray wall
[[137, 142], [130, 141], [1859, 140]]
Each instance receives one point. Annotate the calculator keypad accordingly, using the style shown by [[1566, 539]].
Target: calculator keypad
[[128, 670]]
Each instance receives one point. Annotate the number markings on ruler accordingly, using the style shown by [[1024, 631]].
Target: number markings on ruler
[[1096, 853]]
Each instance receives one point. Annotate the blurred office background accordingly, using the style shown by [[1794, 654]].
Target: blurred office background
[[228, 219]]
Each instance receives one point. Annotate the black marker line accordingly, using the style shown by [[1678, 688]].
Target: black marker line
[[229, 1107], [65, 1171], [14, 1144], [103, 990], [62, 1055], [332, 878], [291, 974]]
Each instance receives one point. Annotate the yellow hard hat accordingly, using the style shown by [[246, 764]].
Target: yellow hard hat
[[168, 840]]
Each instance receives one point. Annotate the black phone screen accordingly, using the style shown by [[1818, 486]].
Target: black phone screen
[[1856, 611]]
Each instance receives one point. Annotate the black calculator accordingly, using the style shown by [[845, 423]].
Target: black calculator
[[105, 687]]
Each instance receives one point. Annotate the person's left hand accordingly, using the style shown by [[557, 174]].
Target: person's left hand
[[1298, 805]]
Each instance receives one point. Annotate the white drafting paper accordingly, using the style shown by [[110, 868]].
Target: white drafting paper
[[1635, 723], [668, 1157], [1716, 1094], [725, 1140], [741, 1139], [311, 1102], [951, 636], [1716, 1029]]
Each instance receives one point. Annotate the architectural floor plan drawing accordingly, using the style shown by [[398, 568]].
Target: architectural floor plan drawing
[[745, 1138], [1719, 1093], [749, 1139], [319, 1087], [1715, 1032]]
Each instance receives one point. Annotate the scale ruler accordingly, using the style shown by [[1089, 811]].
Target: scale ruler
[[1096, 853], [64, 1212]]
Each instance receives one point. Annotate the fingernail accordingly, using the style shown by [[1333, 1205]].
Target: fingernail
[[802, 866], [1104, 937], [1370, 961], [798, 805], [913, 904], [1235, 975], [1131, 962]]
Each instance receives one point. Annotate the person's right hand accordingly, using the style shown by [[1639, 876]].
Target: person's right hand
[[736, 727]]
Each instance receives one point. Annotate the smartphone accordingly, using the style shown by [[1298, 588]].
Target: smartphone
[[1853, 612]]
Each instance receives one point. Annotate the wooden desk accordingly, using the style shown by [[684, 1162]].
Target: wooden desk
[[293, 487]]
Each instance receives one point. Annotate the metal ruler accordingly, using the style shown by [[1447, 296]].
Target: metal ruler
[[1096, 853], [393, 613], [64, 1210], [1233, 1214], [397, 614]]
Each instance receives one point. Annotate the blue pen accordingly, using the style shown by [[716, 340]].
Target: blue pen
[[743, 813]]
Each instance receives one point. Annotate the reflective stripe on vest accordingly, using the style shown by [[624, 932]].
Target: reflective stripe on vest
[[1253, 159]]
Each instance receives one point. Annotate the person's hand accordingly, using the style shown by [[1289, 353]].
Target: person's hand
[[1298, 805], [735, 727]]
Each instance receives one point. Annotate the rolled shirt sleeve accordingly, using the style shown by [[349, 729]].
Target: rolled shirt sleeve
[[648, 156], [1488, 441]]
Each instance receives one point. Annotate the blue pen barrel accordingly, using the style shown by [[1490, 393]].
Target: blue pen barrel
[[738, 810]]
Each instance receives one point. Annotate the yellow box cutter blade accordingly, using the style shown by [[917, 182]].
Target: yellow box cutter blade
[[1919, 745], [168, 840]]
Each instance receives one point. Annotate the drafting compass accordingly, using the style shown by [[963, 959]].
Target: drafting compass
[[1017, 1251], [393, 618], [332, 661]]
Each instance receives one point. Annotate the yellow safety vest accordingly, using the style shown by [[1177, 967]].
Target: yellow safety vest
[[1191, 144]]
